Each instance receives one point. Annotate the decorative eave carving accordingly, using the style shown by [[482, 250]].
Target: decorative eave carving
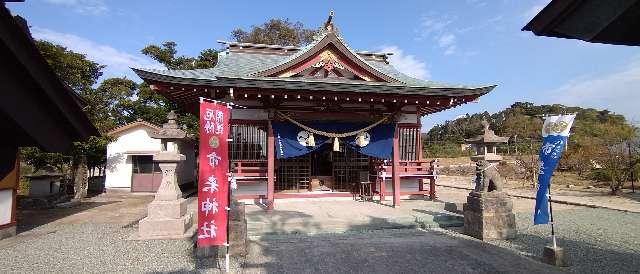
[[331, 51]]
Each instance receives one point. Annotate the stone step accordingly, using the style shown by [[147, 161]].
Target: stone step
[[438, 220]]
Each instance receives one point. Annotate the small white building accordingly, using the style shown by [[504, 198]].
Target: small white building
[[130, 163], [44, 182]]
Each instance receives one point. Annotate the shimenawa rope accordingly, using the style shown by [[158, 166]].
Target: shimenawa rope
[[332, 134]]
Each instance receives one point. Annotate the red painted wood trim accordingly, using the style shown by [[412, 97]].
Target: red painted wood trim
[[408, 125], [419, 144], [312, 195], [8, 225], [383, 190], [248, 196], [15, 198], [395, 169], [271, 166], [248, 122], [417, 192]]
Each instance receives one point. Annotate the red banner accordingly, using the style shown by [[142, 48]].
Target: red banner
[[213, 184]]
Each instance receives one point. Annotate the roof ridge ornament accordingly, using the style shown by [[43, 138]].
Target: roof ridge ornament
[[328, 25]]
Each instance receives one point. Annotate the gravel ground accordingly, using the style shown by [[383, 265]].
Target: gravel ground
[[96, 248], [595, 240]]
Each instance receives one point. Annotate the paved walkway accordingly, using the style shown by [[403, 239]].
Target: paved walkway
[[313, 216], [345, 236], [395, 251]]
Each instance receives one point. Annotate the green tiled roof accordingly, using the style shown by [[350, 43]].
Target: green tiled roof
[[240, 68]]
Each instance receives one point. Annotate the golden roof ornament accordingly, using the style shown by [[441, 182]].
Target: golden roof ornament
[[328, 25]]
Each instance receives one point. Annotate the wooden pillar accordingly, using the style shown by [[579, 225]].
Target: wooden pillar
[[419, 152], [383, 187], [271, 166], [432, 180], [419, 144], [395, 177]]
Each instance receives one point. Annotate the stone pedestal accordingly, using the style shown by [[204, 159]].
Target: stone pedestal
[[554, 256], [167, 216], [489, 215]]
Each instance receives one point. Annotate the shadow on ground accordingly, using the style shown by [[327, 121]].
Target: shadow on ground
[[29, 219], [383, 251], [583, 257]]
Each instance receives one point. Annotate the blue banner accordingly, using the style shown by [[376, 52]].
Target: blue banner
[[292, 141], [555, 132]]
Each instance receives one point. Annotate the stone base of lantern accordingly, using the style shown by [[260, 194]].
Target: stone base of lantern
[[489, 215], [167, 220]]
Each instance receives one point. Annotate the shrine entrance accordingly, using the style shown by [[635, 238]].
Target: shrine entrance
[[323, 170]]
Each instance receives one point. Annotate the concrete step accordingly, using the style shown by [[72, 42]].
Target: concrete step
[[436, 220]]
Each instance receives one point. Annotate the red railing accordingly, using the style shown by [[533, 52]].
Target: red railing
[[249, 169], [412, 168]]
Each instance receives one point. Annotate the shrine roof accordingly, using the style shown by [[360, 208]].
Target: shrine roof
[[239, 68], [252, 65]]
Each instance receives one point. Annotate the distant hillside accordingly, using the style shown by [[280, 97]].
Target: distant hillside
[[522, 122]]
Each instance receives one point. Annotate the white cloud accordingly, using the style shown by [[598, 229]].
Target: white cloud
[[406, 63], [446, 40], [616, 91], [450, 50], [439, 30], [118, 62], [94, 7], [432, 25]]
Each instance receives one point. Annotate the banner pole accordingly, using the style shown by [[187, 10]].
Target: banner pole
[[227, 261], [553, 231]]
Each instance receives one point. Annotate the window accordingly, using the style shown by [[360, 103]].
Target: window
[[249, 142], [144, 164], [408, 141]]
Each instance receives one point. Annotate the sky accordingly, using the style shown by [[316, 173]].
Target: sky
[[469, 42]]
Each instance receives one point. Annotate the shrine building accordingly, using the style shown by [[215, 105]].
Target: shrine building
[[319, 120]]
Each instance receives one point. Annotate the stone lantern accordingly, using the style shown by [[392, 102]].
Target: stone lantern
[[167, 216], [488, 212], [484, 146]]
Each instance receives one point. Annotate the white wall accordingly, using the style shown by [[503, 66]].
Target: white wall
[[119, 166], [6, 205]]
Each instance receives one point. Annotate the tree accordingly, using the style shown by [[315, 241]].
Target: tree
[[111, 103], [166, 54], [73, 68], [276, 32], [80, 74]]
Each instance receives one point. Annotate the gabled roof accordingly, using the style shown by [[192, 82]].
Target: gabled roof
[[241, 62], [326, 65], [325, 40], [139, 123], [36, 106], [597, 21]]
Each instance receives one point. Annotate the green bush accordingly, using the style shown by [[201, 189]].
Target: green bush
[[599, 175]]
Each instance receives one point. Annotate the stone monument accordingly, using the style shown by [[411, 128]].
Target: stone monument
[[488, 212], [167, 216]]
